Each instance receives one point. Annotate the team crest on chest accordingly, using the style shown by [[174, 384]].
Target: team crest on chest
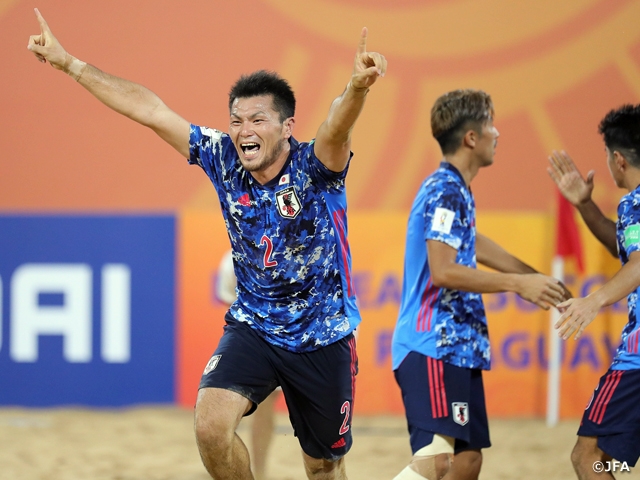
[[460, 411], [288, 203]]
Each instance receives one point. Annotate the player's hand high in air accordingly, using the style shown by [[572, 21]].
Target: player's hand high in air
[[47, 48], [569, 180], [367, 66]]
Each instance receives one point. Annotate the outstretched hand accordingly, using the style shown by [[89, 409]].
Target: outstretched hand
[[46, 47], [564, 173], [367, 66], [542, 290], [577, 313]]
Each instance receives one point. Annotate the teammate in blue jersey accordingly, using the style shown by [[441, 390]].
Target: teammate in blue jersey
[[440, 343], [610, 427], [284, 206]]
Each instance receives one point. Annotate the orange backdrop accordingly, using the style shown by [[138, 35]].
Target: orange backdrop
[[553, 69]]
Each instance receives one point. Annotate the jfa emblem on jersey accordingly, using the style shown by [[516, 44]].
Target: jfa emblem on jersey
[[460, 412], [288, 203], [213, 363]]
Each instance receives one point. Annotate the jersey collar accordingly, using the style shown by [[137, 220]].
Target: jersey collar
[[450, 168]]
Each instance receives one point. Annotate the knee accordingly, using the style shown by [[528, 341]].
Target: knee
[[475, 461], [468, 463], [583, 453], [434, 460], [212, 432], [317, 467], [426, 467], [576, 455], [442, 464], [436, 466]]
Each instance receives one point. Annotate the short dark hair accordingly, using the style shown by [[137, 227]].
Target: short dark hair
[[455, 112], [264, 82], [620, 129]]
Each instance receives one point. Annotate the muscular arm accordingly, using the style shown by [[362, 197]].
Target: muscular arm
[[139, 104], [621, 284], [125, 97], [602, 228], [445, 272], [333, 140]]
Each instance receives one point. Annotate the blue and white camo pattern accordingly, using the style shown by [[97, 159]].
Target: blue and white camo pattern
[[446, 324], [293, 269], [627, 229]]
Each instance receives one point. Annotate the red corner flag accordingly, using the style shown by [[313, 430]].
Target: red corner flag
[[567, 235]]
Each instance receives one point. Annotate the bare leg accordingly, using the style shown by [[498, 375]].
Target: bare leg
[[261, 435], [466, 466], [431, 467], [218, 413], [320, 469], [584, 455]]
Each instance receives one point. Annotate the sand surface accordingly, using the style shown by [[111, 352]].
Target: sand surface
[[157, 443]]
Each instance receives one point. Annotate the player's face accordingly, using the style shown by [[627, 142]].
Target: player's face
[[487, 143], [257, 132]]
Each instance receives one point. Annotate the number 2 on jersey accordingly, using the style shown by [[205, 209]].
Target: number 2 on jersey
[[346, 408], [267, 253]]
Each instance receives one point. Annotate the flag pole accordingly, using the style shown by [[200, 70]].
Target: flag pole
[[555, 348]]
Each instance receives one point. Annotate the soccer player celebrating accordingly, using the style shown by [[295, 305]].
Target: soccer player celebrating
[[610, 427], [440, 344], [284, 206], [263, 418]]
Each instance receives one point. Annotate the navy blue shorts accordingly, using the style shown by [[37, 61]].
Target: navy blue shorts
[[613, 415], [444, 399], [318, 386]]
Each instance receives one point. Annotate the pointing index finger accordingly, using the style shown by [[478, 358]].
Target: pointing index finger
[[43, 23], [362, 46]]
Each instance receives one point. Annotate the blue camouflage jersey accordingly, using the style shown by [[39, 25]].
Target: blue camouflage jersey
[[289, 240], [628, 234], [446, 324]]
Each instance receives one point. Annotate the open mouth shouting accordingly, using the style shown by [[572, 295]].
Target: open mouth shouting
[[250, 150]]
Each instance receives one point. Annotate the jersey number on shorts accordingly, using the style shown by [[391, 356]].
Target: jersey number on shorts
[[346, 408], [268, 262]]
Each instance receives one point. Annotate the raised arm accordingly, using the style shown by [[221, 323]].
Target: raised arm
[[127, 98], [445, 272], [333, 140], [578, 192]]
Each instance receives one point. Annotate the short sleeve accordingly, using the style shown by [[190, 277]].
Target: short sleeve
[[629, 224], [206, 145], [320, 174], [445, 215], [210, 149]]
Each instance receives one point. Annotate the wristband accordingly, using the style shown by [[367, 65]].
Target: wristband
[[74, 67]]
